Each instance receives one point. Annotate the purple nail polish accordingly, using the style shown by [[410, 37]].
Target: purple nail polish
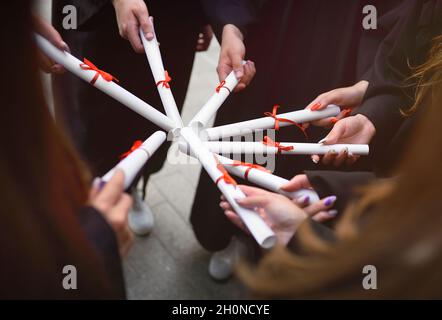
[[306, 200], [101, 185], [329, 201]]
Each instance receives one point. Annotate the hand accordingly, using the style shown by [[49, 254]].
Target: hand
[[131, 15], [356, 129], [204, 38], [347, 98], [231, 57], [320, 211], [281, 214], [114, 205], [47, 31]]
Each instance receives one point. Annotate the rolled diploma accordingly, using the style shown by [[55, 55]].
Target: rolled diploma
[[135, 161], [255, 224], [227, 147], [214, 103], [156, 66], [300, 116], [110, 88], [266, 180]]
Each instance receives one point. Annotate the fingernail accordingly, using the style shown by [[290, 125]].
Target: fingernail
[[101, 184], [329, 201], [345, 151], [306, 200], [322, 141], [316, 106], [149, 36], [66, 47], [332, 213], [315, 160], [238, 74], [334, 120]]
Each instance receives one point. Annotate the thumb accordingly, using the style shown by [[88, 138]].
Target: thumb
[[334, 135], [237, 64], [146, 24]]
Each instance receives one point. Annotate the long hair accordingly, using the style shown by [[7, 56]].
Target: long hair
[[395, 227], [43, 184]]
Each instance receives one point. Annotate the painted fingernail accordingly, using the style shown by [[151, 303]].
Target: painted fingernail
[[306, 200], [101, 184], [322, 141], [334, 120], [332, 213], [329, 201], [316, 106]]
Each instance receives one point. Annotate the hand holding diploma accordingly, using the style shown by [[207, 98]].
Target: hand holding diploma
[[254, 223], [135, 161], [267, 180]]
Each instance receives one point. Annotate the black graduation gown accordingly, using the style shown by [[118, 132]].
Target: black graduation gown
[[301, 49], [101, 127]]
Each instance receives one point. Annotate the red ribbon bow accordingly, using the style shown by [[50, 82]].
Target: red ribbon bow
[[87, 65], [134, 147], [226, 176], [222, 85], [278, 120], [166, 80], [269, 142], [250, 167]]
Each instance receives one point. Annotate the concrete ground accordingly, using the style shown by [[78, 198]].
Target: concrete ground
[[169, 263]]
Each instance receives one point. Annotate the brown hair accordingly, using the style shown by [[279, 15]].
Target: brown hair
[[43, 183], [396, 226]]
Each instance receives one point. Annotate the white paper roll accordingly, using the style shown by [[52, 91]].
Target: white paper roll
[[156, 66], [135, 161], [216, 100], [112, 89], [227, 147], [266, 180], [255, 224], [236, 129]]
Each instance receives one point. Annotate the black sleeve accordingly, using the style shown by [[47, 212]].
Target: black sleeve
[[323, 232], [240, 13], [340, 184], [103, 240], [405, 46]]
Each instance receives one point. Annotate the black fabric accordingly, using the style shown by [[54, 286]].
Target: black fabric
[[101, 127], [406, 46], [340, 184], [103, 240]]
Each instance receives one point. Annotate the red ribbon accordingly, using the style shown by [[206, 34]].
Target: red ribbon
[[222, 85], [250, 167], [166, 80], [226, 176], [278, 120], [269, 142], [87, 65], [134, 147]]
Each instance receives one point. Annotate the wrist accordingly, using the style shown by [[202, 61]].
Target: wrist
[[232, 30], [367, 124]]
